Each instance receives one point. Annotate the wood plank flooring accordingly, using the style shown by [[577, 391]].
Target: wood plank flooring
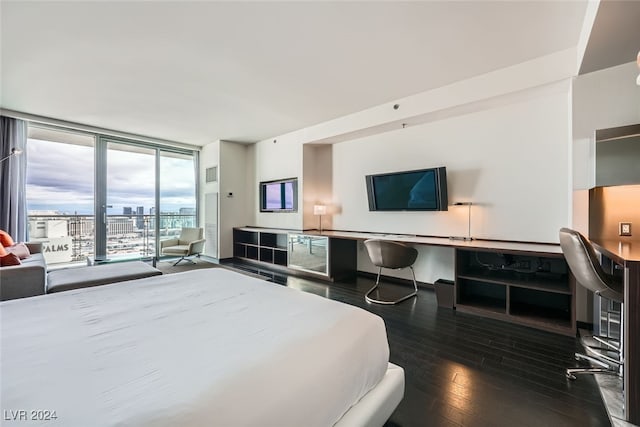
[[464, 370]]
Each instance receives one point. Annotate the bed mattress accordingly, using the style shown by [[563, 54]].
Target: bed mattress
[[204, 348]]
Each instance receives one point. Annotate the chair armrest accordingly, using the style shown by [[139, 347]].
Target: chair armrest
[[167, 243], [35, 247], [22, 281], [196, 247]]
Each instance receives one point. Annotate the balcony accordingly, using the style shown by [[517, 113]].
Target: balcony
[[70, 239]]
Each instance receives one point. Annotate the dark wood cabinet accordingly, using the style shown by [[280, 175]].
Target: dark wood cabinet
[[532, 289], [256, 245], [301, 253]]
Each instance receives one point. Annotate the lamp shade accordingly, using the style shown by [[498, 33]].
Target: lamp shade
[[319, 210]]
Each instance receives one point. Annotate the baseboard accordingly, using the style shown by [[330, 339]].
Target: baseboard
[[210, 259]]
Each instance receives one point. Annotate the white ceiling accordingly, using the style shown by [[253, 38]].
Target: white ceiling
[[201, 71]]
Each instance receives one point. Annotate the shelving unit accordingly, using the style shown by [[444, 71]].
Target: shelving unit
[[257, 245], [532, 289], [315, 255]]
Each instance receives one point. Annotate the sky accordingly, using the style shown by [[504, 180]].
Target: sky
[[60, 177]]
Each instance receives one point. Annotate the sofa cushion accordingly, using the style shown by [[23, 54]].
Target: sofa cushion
[[176, 250], [9, 260], [3, 251], [5, 239], [19, 249]]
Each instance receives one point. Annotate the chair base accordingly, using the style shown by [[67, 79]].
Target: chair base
[[605, 364], [572, 372], [186, 258], [399, 300]]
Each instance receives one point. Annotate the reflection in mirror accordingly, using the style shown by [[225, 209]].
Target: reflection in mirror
[[309, 253], [618, 156]]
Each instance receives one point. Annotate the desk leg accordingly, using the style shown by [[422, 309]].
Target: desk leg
[[632, 342]]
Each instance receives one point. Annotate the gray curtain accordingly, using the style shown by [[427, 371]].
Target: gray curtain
[[13, 178]]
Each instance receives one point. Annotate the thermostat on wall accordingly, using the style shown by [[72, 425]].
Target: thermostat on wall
[[625, 229]]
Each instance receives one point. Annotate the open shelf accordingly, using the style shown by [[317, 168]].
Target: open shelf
[[298, 252], [273, 240], [529, 289], [542, 281]]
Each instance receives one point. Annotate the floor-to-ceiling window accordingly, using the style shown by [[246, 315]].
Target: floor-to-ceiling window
[[177, 193], [91, 195], [131, 199], [60, 193]]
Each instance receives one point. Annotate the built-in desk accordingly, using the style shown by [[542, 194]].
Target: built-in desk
[[627, 255], [525, 283], [533, 248]]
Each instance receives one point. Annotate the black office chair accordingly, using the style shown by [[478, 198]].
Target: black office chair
[[394, 255], [586, 268]]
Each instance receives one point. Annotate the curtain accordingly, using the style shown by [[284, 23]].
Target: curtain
[[13, 178]]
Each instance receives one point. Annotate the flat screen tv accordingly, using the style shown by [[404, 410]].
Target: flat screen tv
[[417, 190], [279, 196]]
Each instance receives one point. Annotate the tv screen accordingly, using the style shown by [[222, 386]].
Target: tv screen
[[279, 196], [418, 190]]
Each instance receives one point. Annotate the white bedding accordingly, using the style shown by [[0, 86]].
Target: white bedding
[[204, 348]]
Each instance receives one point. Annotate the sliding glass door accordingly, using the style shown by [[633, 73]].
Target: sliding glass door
[[89, 195], [177, 193], [130, 199]]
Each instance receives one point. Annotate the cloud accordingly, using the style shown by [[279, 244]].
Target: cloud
[[61, 177]]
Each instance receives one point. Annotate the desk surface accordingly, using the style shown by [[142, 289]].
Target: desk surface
[[620, 250], [452, 243], [499, 245]]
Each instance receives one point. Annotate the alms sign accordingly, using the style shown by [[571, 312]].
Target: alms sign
[[55, 248]]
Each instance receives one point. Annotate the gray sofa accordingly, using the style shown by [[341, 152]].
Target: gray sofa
[[27, 279], [31, 278]]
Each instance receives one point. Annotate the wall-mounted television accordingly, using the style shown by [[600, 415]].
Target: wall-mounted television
[[416, 190], [279, 196]]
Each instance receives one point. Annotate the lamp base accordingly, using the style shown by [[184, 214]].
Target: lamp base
[[465, 239]]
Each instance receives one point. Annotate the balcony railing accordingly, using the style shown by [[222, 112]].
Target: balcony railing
[[71, 238]]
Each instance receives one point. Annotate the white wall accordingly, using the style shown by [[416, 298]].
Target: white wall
[[602, 99], [234, 176], [317, 179], [209, 157], [234, 196], [511, 161], [278, 160]]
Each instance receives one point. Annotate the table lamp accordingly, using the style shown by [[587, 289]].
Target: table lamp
[[468, 236], [320, 210]]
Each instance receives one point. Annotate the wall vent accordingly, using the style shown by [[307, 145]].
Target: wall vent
[[212, 174]]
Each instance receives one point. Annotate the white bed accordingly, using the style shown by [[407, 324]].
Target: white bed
[[204, 348]]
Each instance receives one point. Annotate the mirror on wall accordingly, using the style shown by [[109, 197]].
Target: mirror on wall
[[618, 156]]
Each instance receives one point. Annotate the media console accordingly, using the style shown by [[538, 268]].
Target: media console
[[530, 289], [305, 253]]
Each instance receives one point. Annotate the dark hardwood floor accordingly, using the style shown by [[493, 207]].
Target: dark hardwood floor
[[465, 370]]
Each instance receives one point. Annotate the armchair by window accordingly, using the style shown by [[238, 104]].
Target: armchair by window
[[190, 243]]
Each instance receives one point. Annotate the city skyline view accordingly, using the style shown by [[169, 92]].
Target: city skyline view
[[60, 178]]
